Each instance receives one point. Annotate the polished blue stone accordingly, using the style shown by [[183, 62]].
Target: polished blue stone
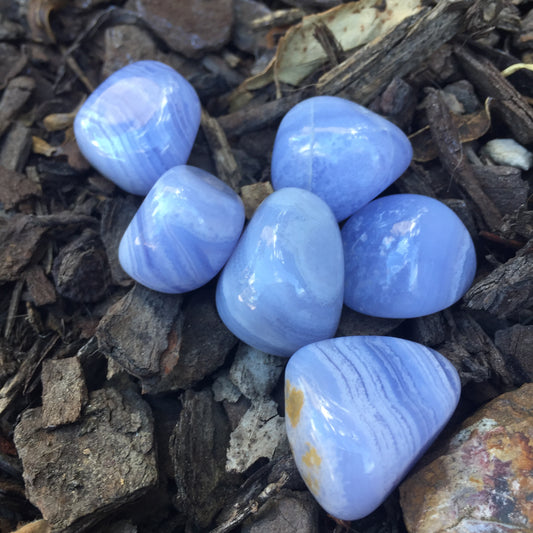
[[406, 256], [138, 123], [282, 287], [339, 150], [359, 412], [184, 231]]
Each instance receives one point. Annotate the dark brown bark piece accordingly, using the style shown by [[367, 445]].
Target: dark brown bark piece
[[78, 473], [255, 117], [478, 358], [504, 186], [16, 147], [116, 217], [22, 235], [507, 290], [446, 137], [516, 344], [15, 188], [64, 391], [369, 70], [139, 328], [16, 94], [41, 289], [197, 349], [508, 102], [227, 168], [81, 271], [198, 450]]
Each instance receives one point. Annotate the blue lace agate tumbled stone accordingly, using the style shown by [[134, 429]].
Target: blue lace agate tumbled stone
[[138, 123], [184, 231], [359, 412], [339, 150], [406, 256], [282, 287]]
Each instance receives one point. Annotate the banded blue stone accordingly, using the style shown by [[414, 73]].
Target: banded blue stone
[[339, 150], [282, 287], [406, 256], [138, 123], [360, 411], [184, 231]]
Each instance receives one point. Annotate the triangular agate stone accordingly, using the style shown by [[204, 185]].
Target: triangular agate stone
[[359, 412]]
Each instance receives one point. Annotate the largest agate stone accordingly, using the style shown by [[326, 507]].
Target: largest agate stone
[[282, 287], [359, 412]]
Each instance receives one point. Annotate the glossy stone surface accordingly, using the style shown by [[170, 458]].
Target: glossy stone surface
[[406, 256], [482, 482], [183, 233], [341, 151], [138, 123], [282, 287], [359, 412]]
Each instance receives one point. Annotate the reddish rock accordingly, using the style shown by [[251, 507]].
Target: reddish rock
[[482, 483], [191, 28]]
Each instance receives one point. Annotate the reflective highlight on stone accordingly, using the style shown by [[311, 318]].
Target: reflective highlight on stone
[[359, 412], [406, 256], [183, 233], [282, 287], [138, 123], [341, 151]]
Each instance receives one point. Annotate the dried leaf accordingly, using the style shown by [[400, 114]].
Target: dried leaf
[[70, 149], [39, 526], [353, 24], [471, 127], [40, 146], [38, 16]]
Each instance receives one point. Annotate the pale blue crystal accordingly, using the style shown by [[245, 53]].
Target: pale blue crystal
[[184, 231], [282, 287], [359, 412], [339, 150], [138, 123], [406, 256]]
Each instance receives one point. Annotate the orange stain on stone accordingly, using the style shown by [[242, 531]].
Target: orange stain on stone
[[311, 457], [294, 400]]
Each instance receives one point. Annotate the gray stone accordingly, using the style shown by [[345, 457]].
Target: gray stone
[[225, 390], [190, 28], [260, 434], [255, 373]]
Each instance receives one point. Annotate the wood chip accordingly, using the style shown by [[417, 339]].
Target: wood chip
[[509, 104]]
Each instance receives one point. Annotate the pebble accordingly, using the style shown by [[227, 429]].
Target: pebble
[[406, 256], [282, 287], [359, 412], [482, 481], [138, 124], [183, 233], [341, 151], [509, 152]]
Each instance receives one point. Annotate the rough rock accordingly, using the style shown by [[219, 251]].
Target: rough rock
[[190, 28], [198, 450], [482, 482], [77, 473], [64, 391], [255, 373], [288, 512], [259, 434]]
